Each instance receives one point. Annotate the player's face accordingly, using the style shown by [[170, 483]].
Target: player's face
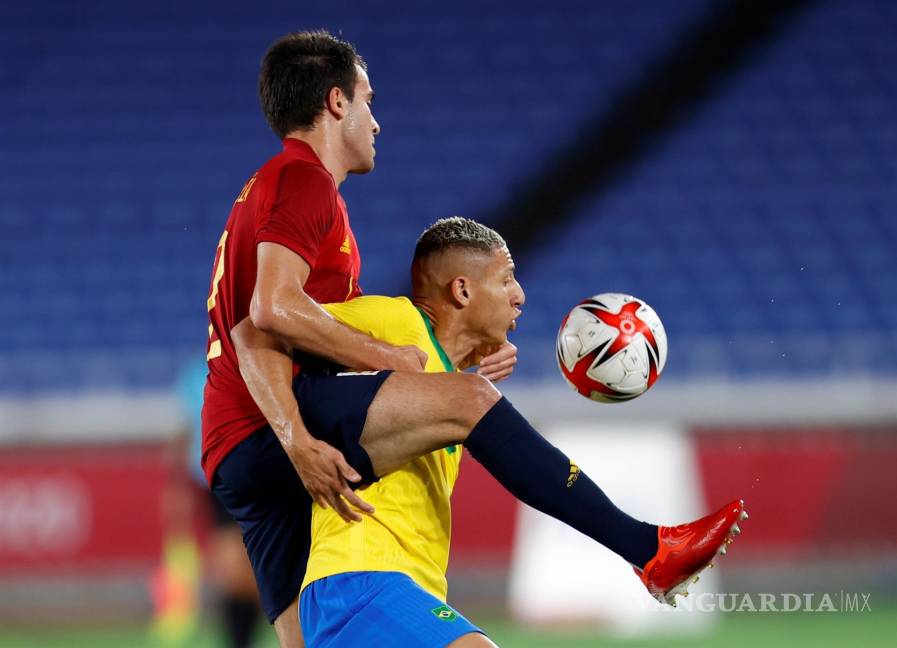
[[496, 298], [360, 128]]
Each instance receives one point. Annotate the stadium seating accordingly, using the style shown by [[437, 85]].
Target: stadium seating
[[760, 229]]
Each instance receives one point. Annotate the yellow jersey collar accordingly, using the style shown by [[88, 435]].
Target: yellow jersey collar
[[442, 354]]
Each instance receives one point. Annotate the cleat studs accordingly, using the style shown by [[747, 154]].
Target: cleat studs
[[729, 541], [722, 550], [736, 529], [744, 515], [685, 594], [711, 565], [695, 579]]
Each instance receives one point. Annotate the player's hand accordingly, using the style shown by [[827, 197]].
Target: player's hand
[[499, 362], [408, 358], [326, 475]]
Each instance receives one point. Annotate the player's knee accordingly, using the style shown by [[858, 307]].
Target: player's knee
[[480, 395]]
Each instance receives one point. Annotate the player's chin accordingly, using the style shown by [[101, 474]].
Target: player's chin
[[499, 338], [511, 326], [366, 167]]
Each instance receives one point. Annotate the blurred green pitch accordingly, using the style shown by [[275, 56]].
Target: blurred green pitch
[[800, 630]]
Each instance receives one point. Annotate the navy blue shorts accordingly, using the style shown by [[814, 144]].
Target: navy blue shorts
[[258, 485]]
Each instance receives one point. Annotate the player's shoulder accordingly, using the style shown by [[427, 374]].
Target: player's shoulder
[[301, 176], [391, 319], [394, 306], [396, 313], [286, 176]]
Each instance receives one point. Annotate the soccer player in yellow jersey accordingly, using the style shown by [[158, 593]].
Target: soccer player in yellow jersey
[[381, 580], [409, 531], [391, 565]]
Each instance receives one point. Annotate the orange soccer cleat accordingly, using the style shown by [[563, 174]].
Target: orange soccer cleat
[[686, 550]]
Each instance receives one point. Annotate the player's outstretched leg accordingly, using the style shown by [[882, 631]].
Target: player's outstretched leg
[[665, 558], [417, 413], [413, 414]]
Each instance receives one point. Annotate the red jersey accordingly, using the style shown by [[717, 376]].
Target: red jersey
[[292, 201]]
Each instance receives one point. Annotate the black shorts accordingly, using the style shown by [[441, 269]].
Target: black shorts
[[221, 517], [259, 487]]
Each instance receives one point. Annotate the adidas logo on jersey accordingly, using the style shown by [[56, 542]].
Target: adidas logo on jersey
[[346, 247]]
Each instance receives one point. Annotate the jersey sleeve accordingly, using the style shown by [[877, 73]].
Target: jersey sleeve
[[300, 220], [390, 319]]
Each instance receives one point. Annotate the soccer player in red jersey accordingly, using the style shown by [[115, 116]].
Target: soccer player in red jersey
[[287, 246]]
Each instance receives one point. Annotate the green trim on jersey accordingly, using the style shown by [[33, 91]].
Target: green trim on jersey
[[442, 354]]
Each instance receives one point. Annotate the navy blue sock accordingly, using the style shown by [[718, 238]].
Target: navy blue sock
[[540, 475]]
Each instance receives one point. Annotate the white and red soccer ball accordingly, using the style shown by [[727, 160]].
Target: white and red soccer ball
[[611, 347]]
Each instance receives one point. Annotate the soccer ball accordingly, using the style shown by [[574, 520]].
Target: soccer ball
[[611, 347]]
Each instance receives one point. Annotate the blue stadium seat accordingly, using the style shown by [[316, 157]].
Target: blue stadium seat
[[769, 213], [779, 227]]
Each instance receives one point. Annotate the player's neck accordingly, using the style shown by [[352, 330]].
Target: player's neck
[[452, 336], [326, 148]]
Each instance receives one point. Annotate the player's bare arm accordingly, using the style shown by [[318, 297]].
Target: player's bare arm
[[266, 367], [283, 317], [281, 308]]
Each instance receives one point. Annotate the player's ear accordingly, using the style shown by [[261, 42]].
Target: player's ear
[[337, 103], [460, 289]]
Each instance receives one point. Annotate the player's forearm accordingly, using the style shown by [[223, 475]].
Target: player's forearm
[[267, 370], [301, 323]]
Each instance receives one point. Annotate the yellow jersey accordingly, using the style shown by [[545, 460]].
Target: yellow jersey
[[410, 531]]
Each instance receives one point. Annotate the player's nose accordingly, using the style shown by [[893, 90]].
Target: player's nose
[[519, 296], [376, 125]]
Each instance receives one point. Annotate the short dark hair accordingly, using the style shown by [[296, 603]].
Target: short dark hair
[[298, 71], [457, 232]]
